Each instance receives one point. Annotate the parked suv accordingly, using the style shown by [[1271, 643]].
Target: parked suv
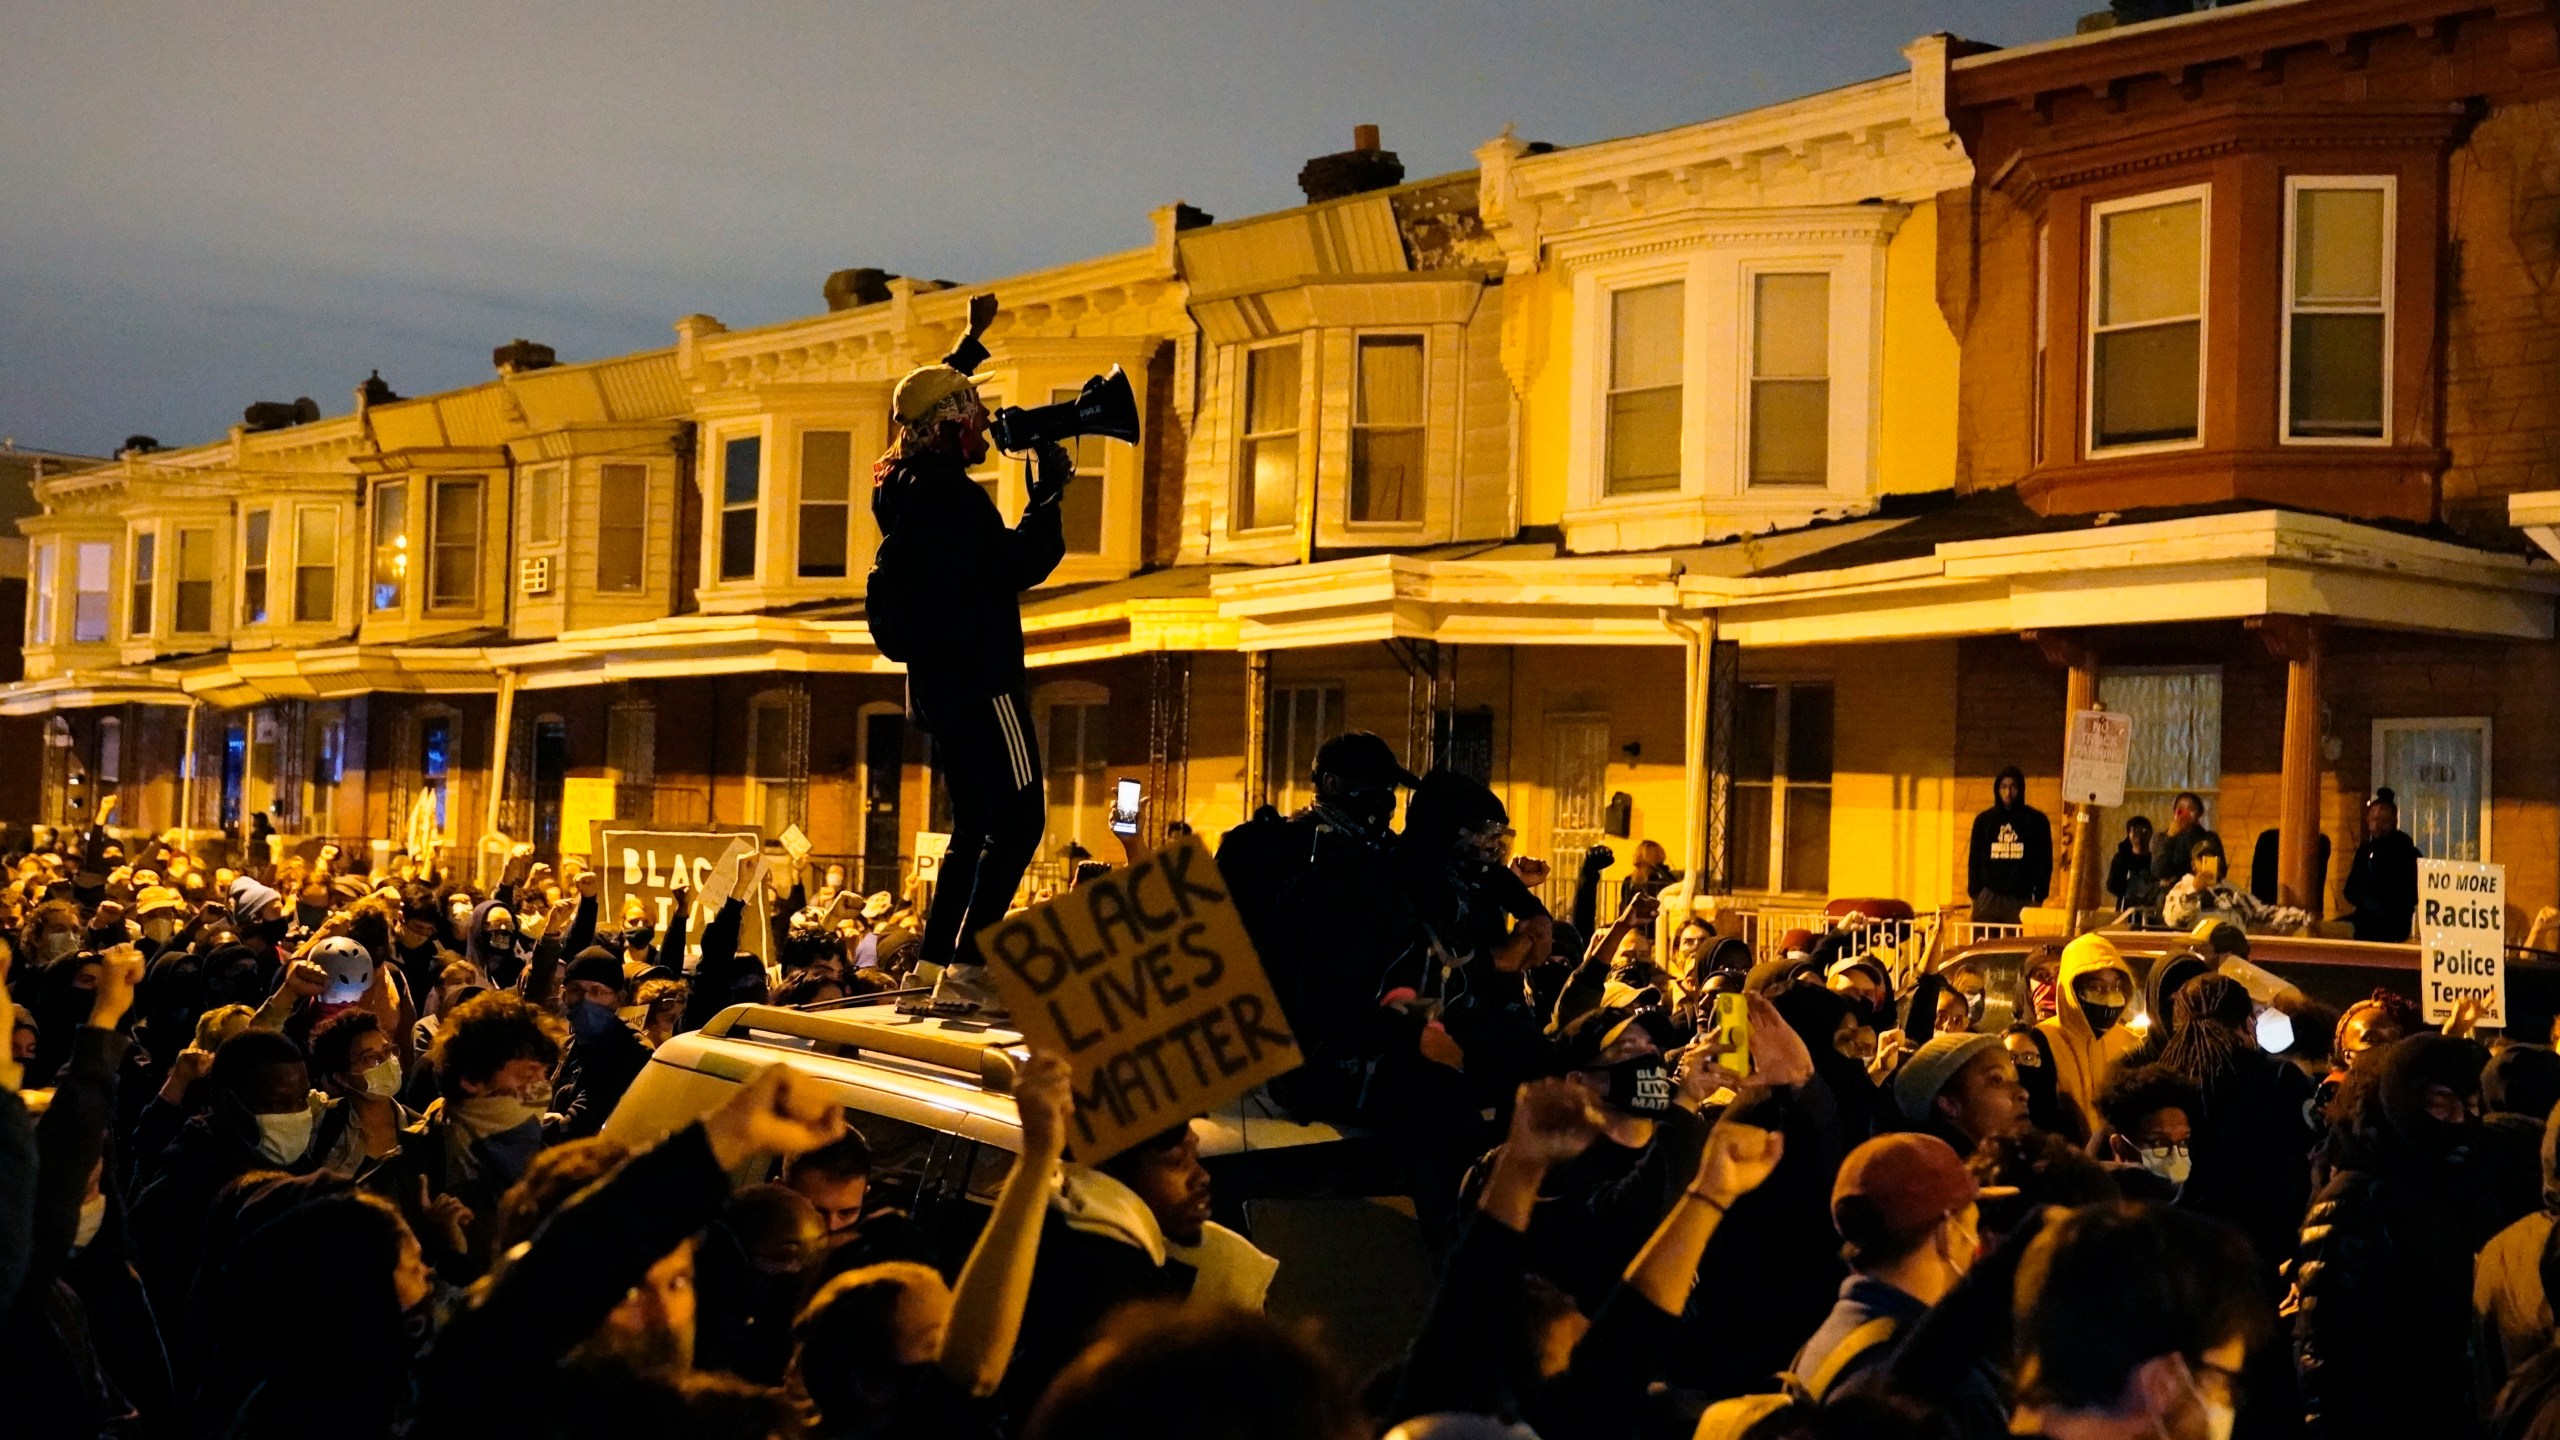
[[933, 1097]]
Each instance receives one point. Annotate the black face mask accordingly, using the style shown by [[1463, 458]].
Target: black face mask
[[1640, 1085], [264, 932], [2102, 1018], [311, 915]]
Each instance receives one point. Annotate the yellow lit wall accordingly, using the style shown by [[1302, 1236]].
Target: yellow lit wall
[[1893, 796], [1917, 452], [1541, 327]]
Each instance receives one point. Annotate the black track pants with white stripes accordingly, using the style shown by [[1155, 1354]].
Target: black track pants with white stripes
[[989, 756]]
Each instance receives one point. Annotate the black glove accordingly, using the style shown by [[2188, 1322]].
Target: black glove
[[1053, 467]]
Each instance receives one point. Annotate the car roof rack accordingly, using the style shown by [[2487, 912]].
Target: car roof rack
[[837, 1033]]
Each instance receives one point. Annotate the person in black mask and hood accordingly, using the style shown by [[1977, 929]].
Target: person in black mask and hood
[[2009, 863], [2382, 1332], [604, 1055]]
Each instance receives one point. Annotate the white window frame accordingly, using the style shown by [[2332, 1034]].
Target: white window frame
[[2091, 239], [2384, 725], [1603, 343], [2294, 185], [405, 571], [337, 547], [428, 600], [537, 514], [262, 559], [1246, 435], [1782, 781], [146, 624], [212, 581], [1747, 376], [42, 565], [801, 504], [80, 552], [716, 532], [1352, 426], [609, 514], [1086, 698]]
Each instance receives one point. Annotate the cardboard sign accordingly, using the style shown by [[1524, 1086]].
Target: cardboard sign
[[795, 843], [584, 801], [931, 846], [1144, 980], [2462, 934], [2093, 763], [653, 863]]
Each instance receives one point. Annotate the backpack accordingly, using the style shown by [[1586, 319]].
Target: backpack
[[893, 603]]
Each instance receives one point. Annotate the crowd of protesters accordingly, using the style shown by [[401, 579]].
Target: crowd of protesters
[[290, 1150]]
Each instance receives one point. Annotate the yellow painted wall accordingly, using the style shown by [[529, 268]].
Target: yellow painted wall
[[1893, 796], [1917, 441]]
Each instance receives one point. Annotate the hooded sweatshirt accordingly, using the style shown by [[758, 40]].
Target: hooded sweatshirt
[[2082, 1058], [2506, 1282]]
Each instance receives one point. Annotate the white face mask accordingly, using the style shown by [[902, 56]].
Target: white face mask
[[284, 1138], [2170, 1162], [382, 1081], [497, 1114], [159, 928], [2275, 1031], [93, 1217]]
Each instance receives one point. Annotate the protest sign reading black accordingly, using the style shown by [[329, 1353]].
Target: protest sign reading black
[[654, 864], [1144, 980]]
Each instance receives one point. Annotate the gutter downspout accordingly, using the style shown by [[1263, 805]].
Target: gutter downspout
[[187, 774], [1698, 638], [499, 747]]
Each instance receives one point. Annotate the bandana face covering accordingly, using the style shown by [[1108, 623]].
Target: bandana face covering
[[1640, 1085]]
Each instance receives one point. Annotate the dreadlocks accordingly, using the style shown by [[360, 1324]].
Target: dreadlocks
[[2210, 1012]]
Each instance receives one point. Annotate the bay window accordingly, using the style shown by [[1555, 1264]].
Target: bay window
[[40, 585], [315, 564], [145, 572], [193, 610], [254, 536], [2146, 342], [91, 561], [741, 482], [1387, 431], [542, 505], [622, 528], [453, 543], [1080, 509], [2337, 307], [1644, 389], [390, 545], [1791, 379], [826, 504], [1267, 481]]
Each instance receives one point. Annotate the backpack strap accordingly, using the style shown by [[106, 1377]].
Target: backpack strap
[[1878, 1331]]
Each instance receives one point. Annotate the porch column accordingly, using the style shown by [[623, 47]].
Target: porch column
[[497, 778], [2076, 877], [2300, 642], [187, 775], [1698, 638], [1257, 725]]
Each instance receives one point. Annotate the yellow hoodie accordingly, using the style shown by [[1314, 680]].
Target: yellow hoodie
[[2082, 1058]]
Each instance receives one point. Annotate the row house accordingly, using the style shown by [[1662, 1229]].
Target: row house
[[1761, 487]]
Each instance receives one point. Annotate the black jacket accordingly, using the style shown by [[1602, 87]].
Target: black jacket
[[2011, 854], [2382, 887], [592, 1077], [969, 642], [1077, 1281]]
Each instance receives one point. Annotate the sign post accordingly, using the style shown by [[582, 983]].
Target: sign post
[[1144, 980], [2093, 766], [2462, 935]]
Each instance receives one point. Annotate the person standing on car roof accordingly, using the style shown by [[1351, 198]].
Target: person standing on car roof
[[961, 571]]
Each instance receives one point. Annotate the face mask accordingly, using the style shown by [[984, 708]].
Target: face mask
[[311, 915], [2219, 1415], [283, 1138], [591, 1022], [54, 944], [502, 939], [1640, 1085], [93, 1216], [264, 932], [2170, 1162], [159, 929], [2102, 1018], [496, 1114], [382, 1081]]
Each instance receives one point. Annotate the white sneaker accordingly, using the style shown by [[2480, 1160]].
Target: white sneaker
[[968, 985]]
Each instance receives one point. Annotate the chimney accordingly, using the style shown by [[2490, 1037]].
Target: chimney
[[851, 289], [1358, 170], [519, 355]]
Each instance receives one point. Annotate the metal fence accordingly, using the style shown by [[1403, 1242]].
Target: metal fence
[[1907, 942]]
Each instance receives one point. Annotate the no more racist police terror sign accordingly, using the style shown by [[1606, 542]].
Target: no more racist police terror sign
[[1143, 979], [2462, 937]]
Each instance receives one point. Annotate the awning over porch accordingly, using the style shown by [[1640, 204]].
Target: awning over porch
[[88, 689]]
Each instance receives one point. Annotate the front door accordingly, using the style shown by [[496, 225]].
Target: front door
[[550, 781], [884, 754]]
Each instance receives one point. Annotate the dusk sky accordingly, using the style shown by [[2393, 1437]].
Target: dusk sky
[[207, 205]]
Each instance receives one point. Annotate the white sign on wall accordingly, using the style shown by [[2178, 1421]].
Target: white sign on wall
[[2093, 763], [2462, 932]]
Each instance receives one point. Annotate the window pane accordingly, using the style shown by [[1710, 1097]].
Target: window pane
[[253, 571], [622, 527], [146, 563], [738, 545], [1809, 734], [1808, 860], [1791, 432], [2151, 263], [1081, 508], [1270, 482], [1755, 733], [2146, 384], [315, 560], [390, 545], [542, 505], [1747, 841], [1390, 380], [1644, 441], [1271, 389], [194, 602], [455, 577], [826, 466], [2337, 375], [40, 614], [315, 537], [2435, 770], [1644, 337], [742, 460], [822, 541], [771, 748], [89, 593], [1791, 326], [1386, 476], [2338, 245]]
